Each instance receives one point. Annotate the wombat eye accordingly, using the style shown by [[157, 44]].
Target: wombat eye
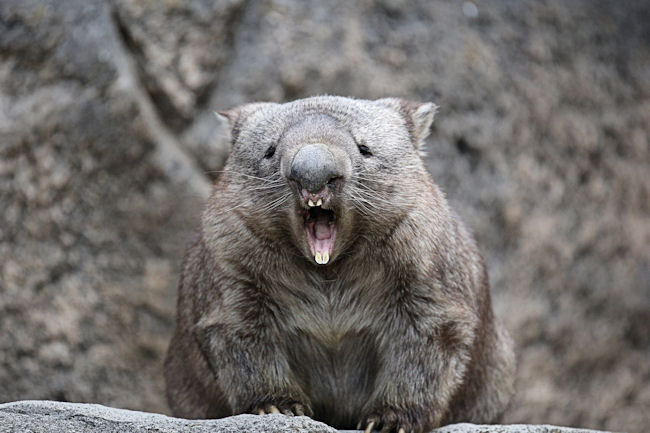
[[269, 152], [364, 150]]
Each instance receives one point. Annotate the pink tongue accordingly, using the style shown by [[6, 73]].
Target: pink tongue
[[322, 230], [323, 245]]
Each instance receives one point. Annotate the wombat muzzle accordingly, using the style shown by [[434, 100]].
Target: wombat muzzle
[[313, 167]]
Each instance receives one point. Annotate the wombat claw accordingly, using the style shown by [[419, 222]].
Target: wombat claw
[[387, 427], [270, 408], [369, 427], [295, 409]]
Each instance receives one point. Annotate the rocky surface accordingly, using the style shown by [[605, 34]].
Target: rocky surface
[[52, 417], [108, 145], [49, 416]]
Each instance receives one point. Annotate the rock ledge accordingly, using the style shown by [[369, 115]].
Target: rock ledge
[[52, 416]]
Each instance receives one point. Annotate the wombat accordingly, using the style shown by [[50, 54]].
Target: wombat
[[329, 277]]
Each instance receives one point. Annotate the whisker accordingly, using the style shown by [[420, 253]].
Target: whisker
[[223, 211], [373, 198], [272, 179], [273, 204], [268, 206], [367, 205], [262, 188]]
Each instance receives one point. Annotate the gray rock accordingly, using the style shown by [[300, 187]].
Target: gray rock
[[51, 416], [511, 428], [98, 201]]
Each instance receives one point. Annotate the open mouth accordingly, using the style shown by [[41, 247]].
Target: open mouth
[[320, 225]]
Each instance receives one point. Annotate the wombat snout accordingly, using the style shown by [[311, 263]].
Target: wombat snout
[[313, 167]]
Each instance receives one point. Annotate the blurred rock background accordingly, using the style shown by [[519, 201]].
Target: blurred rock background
[[108, 146]]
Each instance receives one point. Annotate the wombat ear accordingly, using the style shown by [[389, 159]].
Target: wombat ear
[[418, 116], [235, 117], [229, 120]]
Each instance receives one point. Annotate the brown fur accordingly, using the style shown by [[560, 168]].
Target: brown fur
[[397, 328]]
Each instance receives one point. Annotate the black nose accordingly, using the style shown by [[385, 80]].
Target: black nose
[[313, 166]]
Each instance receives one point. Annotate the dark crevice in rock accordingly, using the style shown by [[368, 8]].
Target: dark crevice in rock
[[168, 155], [234, 20], [174, 119], [471, 153]]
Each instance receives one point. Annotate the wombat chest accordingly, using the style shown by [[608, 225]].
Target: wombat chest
[[338, 375], [332, 345]]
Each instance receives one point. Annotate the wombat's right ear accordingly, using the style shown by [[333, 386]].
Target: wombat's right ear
[[234, 118], [418, 116]]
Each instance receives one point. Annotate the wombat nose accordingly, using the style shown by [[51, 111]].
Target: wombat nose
[[313, 166]]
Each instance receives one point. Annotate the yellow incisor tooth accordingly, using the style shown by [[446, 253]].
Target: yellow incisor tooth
[[326, 257], [310, 203], [319, 202], [318, 257]]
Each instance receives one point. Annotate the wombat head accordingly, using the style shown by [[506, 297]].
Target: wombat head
[[323, 171]]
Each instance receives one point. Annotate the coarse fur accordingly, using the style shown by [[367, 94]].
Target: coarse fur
[[396, 330]]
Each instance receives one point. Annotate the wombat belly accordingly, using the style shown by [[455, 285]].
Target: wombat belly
[[338, 375]]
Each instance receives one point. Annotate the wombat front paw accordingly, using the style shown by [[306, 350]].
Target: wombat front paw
[[395, 420], [287, 407]]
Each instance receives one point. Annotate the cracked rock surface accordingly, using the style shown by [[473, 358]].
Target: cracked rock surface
[[52, 417], [108, 146]]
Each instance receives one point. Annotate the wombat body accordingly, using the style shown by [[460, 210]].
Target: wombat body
[[330, 277]]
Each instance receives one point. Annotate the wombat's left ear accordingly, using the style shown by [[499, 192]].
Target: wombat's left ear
[[418, 116]]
